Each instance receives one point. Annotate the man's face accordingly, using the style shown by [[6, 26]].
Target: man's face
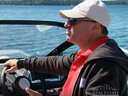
[[78, 32]]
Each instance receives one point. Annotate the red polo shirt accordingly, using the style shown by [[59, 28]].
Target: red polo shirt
[[77, 66]]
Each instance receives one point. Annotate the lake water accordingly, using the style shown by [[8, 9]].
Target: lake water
[[118, 28]]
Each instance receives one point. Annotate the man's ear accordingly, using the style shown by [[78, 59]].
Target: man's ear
[[96, 26]]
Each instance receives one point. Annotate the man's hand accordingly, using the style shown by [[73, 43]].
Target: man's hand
[[12, 63], [32, 92]]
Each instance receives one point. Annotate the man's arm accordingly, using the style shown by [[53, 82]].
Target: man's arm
[[58, 65]]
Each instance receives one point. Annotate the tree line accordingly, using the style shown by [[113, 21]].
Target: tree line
[[40, 2], [52, 2], [116, 2]]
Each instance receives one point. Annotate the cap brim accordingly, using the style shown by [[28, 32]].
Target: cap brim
[[70, 14]]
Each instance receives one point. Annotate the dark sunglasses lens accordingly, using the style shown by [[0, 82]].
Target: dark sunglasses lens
[[72, 21]]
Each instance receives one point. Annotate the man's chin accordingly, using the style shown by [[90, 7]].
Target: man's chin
[[69, 40]]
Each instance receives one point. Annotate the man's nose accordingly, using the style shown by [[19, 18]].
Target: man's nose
[[67, 24]]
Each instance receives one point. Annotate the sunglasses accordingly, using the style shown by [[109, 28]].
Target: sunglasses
[[73, 20]]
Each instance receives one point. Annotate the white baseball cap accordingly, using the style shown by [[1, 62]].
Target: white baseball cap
[[93, 9]]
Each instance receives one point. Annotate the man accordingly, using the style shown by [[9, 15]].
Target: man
[[98, 68]]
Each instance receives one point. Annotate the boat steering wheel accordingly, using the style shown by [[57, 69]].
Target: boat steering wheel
[[17, 87]]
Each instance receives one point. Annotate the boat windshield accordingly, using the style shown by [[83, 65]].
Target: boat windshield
[[29, 40]]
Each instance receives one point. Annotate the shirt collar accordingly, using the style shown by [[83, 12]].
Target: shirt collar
[[93, 47]]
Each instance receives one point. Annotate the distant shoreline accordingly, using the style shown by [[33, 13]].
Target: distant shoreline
[[116, 2], [56, 2]]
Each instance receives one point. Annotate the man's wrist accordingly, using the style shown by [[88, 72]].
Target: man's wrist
[[20, 64]]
